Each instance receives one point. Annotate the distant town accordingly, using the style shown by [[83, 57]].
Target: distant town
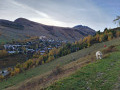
[[39, 46]]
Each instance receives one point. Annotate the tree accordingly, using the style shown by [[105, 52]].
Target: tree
[[110, 36], [97, 37], [117, 20], [50, 58], [1, 77], [54, 52], [105, 30], [80, 41], [89, 39], [3, 53], [101, 38], [98, 32], [0, 33], [17, 70], [117, 33], [105, 37]]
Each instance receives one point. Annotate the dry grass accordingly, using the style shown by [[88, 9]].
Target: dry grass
[[101, 75], [43, 81], [82, 57], [110, 49]]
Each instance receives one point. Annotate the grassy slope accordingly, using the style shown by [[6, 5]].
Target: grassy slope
[[49, 66], [101, 75]]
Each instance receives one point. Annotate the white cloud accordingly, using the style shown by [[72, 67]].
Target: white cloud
[[57, 12]]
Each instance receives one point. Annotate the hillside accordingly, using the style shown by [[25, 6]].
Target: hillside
[[102, 75], [84, 29], [81, 58], [22, 28]]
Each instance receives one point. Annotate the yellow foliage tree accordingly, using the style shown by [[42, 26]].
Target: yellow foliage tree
[[17, 70], [1, 77], [110, 36], [3, 53], [12, 73], [53, 52], [80, 41], [89, 38], [50, 58], [118, 33], [101, 38], [97, 37]]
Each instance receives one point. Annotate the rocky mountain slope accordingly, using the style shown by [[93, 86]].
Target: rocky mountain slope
[[21, 28]]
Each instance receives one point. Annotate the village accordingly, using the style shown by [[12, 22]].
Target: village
[[41, 45], [38, 46]]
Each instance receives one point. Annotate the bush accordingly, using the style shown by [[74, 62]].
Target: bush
[[58, 70], [1, 77], [12, 73], [109, 49]]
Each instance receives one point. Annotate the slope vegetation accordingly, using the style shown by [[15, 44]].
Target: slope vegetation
[[41, 70], [101, 75]]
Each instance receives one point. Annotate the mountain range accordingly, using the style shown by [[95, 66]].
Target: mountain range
[[21, 28]]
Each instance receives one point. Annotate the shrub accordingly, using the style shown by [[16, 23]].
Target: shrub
[[1, 77], [109, 49], [17, 70], [12, 73], [58, 70]]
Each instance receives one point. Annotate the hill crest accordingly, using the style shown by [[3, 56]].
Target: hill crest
[[26, 27]]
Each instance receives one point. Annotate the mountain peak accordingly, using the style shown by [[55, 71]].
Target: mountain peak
[[32, 28], [80, 26], [85, 29], [19, 20]]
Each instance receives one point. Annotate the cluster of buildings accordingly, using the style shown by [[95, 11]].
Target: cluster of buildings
[[42, 45]]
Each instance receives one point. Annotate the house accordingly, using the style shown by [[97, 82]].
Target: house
[[11, 52], [11, 47], [49, 48], [42, 37], [4, 73], [31, 50], [42, 52]]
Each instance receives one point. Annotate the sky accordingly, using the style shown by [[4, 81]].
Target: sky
[[97, 14]]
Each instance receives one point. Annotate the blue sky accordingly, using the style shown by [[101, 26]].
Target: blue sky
[[97, 14]]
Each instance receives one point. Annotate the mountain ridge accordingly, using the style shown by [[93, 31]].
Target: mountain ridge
[[26, 27]]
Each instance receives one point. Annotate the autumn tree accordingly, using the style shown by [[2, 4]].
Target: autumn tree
[[17, 70], [54, 52], [1, 77], [50, 58], [101, 38], [80, 41], [3, 53], [117, 33], [97, 37], [89, 39], [110, 36]]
